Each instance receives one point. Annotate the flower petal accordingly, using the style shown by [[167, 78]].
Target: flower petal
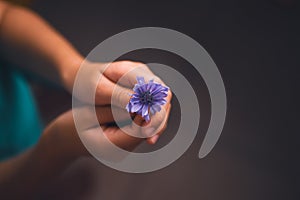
[[145, 110], [128, 107], [160, 88], [136, 107], [150, 84], [135, 88], [140, 80], [155, 108], [147, 98], [143, 88], [135, 100], [152, 87], [156, 88], [159, 101], [147, 118], [160, 95]]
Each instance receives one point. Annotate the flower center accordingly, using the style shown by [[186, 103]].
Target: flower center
[[146, 97]]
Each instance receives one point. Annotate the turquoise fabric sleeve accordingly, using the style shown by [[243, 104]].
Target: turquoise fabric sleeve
[[20, 125]]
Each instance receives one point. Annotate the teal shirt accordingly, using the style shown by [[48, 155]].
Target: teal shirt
[[20, 126]]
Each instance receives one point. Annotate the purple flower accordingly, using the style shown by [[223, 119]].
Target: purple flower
[[147, 98]]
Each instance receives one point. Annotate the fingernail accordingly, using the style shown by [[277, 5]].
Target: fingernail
[[154, 139], [150, 132]]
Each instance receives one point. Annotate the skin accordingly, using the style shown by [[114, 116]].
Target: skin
[[40, 45]]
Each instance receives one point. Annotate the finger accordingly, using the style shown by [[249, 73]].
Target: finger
[[125, 72], [156, 122], [120, 96], [108, 114], [123, 140], [160, 129], [100, 139], [85, 116], [138, 120], [108, 92]]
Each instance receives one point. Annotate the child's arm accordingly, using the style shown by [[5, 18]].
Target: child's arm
[[27, 175], [31, 42]]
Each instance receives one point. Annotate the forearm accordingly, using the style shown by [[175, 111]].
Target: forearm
[[28, 39], [29, 173]]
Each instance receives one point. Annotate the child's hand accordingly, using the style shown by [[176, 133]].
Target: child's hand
[[116, 82], [61, 140]]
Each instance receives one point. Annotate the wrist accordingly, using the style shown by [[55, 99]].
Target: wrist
[[68, 70]]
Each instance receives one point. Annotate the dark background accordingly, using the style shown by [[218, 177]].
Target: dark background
[[255, 45]]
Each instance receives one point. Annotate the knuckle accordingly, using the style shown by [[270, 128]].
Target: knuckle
[[127, 62], [140, 64], [101, 91]]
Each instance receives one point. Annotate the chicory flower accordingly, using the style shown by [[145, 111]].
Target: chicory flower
[[147, 98]]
